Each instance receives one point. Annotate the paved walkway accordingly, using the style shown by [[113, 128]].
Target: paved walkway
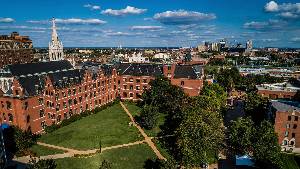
[[72, 152], [147, 138]]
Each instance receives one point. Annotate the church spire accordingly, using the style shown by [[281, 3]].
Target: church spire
[[54, 33], [56, 52]]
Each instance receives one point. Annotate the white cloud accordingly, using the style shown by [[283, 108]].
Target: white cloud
[[271, 6], [147, 28], [72, 21], [6, 20], [265, 25], [122, 12], [295, 39], [92, 7], [181, 17], [270, 40], [285, 10]]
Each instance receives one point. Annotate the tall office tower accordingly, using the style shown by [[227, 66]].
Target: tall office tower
[[56, 52], [15, 49], [249, 45]]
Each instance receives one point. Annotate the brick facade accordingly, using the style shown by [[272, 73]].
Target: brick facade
[[15, 49], [54, 102]]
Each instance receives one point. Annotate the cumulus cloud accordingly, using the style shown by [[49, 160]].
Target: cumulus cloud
[[6, 20], [181, 17], [122, 12], [71, 21], [92, 7], [147, 28], [271, 6], [265, 25], [285, 10]]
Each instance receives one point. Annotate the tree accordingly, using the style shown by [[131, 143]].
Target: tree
[[240, 133], [199, 137], [160, 164], [148, 117], [256, 107], [42, 164], [105, 165], [266, 149]]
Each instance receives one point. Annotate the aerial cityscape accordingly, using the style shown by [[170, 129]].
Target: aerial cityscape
[[167, 84]]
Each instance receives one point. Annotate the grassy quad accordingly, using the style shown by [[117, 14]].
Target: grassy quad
[[110, 127], [135, 111], [132, 157]]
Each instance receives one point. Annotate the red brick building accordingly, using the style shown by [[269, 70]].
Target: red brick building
[[276, 91], [15, 49], [44, 93], [287, 123]]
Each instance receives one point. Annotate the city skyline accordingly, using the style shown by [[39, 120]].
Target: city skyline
[[164, 23]]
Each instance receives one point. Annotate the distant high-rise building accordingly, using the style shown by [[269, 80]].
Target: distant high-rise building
[[56, 52], [223, 44], [215, 47], [15, 49], [202, 48], [249, 45]]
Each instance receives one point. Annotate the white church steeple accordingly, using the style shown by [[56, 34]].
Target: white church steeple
[[55, 46]]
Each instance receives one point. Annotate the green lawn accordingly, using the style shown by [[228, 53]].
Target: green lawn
[[43, 151], [132, 157], [135, 111], [110, 126]]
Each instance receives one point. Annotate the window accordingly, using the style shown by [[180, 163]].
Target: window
[[131, 79], [28, 118], [296, 118], [286, 133], [169, 67], [138, 80], [8, 105], [42, 113], [10, 117], [182, 83], [287, 126], [43, 124], [17, 92], [289, 118], [125, 87], [131, 94], [293, 135], [137, 87], [41, 100], [294, 126], [144, 80], [131, 87]]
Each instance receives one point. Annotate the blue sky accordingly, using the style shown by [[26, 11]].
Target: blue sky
[[109, 23]]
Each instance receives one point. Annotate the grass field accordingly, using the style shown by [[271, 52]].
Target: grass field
[[42, 150], [110, 126], [135, 111], [132, 157]]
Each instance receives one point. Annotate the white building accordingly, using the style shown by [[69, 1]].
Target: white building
[[161, 56], [138, 58], [55, 46]]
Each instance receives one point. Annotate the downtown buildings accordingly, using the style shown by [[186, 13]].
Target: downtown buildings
[[36, 95]]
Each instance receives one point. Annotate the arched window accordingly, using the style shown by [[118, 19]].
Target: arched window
[[10, 117]]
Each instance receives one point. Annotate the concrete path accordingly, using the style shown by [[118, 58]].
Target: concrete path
[[147, 138]]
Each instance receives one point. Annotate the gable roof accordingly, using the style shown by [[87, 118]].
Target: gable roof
[[39, 67], [188, 71]]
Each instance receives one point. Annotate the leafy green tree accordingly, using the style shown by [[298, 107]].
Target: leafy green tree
[[229, 78], [105, 165], [256, 107], [42, 164], [148, 117], [240, 133], [266, 149], [160, 164], [199, 137]]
